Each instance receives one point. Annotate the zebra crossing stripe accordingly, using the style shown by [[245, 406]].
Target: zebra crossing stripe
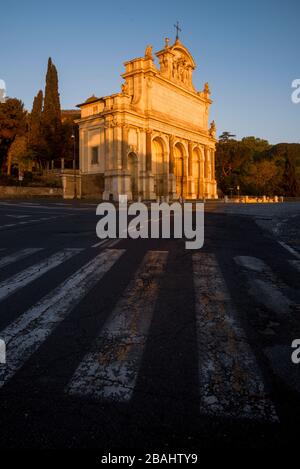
[[18, 216], [113, 243], [290, 249], [16, 256], [24, 336], [231, 384], [264, 286], [26, 276], [295, 264], [102, 243], [110, 368], [107, 243]]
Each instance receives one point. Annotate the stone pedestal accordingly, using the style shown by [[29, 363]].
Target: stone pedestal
[[172, 186], [191, 188], [147, 185], [117, 182], [71, 183], [214, 189]]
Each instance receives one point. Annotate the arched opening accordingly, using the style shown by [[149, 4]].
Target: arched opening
[[196, 171], [179, 168], [133, 169], [158, 165]]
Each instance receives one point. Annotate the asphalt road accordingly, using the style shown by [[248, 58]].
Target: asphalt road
[[142, 343]]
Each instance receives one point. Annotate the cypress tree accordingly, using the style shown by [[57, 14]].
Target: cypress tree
[[35, 123], [52, 127]]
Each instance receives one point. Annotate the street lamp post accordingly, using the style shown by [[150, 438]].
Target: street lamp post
[[74, 165]]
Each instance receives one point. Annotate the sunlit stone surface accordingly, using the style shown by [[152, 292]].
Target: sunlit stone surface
[[153, 138]]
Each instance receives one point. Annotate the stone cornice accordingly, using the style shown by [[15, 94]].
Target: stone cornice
[[147, 121]]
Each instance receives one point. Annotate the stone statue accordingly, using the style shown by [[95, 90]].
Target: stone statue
[[2, 91], [212, 129], [125, 88], [148, 53], [167, 43], [206, 89]]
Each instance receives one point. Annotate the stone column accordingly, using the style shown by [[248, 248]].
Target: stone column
[[124, 147], [202, 173], [149, 178], [205, 163], [171, 154], [108, 145], [212, 164], [172, 179], [206, 173], [117, 150], [190, 178], [190, 160], [148, 150]]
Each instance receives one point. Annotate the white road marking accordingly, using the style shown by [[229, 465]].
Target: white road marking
[[25, 335], [31, 205], [101, 243], [113, 243], [290, 249], [27, 206], [23, 278], [28, 222], [110, 368], [252, 263], [231, 384], [62, 204], [265, 287], [16, 256], [295, 264], [18, 216]]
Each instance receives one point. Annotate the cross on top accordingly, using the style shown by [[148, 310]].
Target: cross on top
[[176, 26]]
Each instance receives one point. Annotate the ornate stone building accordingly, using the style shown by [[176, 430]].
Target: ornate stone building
[[153, 138]]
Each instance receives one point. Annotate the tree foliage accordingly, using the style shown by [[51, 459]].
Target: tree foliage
[[51, 117], [35, 131], [258, 167], [13, 122]]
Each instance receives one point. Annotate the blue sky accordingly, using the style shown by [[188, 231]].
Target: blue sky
[[247, 51]]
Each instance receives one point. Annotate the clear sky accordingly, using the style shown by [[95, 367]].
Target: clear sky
[[248, 51]]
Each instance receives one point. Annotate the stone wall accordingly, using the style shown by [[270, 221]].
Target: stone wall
[[88, 186], [19, 191], [92, 185]]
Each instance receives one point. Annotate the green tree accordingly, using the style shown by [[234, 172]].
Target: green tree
[[232, 158], [35, 123], [225, 136], [261, 178], [19, 154], [13, 122], [256, 145], [290, 183], [51, 117]]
